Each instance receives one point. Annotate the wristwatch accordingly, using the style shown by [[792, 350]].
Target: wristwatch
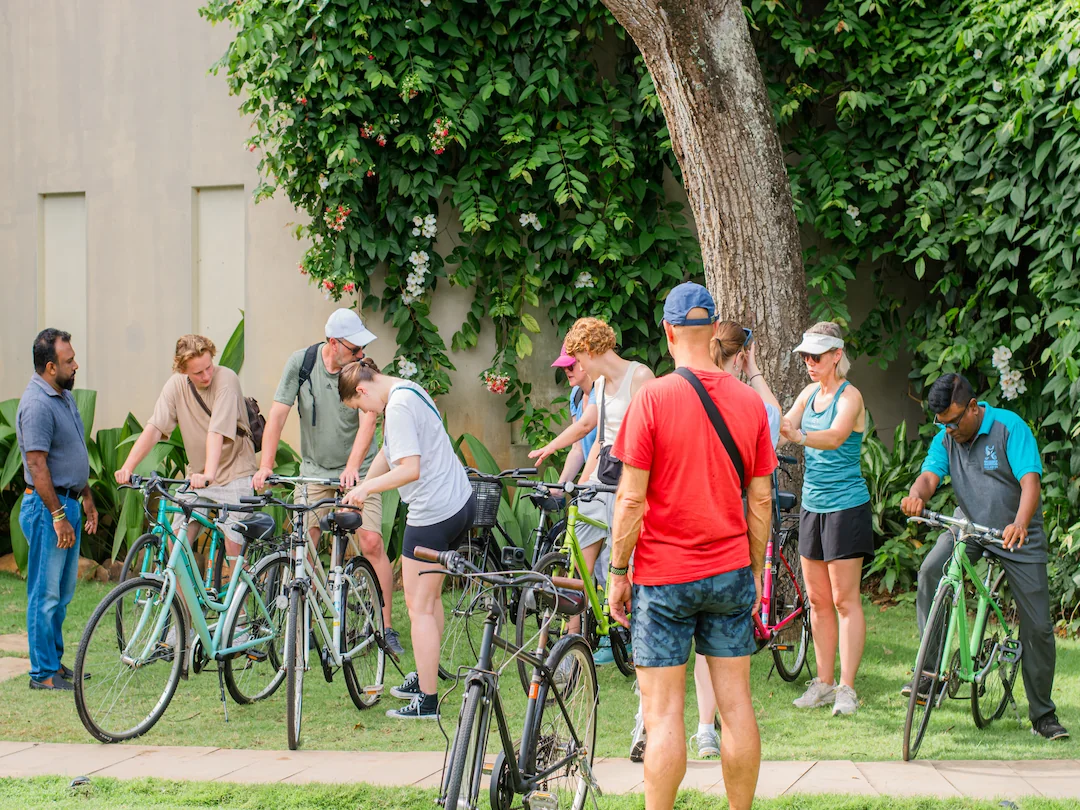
[[619, 572], [802, 437]]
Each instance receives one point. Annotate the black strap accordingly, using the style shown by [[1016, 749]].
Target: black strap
[[195, 393], [578, 395], [310, 354], [718, 423]]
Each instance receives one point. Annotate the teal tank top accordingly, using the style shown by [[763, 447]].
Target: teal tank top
[[833, 479]]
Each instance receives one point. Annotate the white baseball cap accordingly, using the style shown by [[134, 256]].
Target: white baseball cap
[[345, 324]]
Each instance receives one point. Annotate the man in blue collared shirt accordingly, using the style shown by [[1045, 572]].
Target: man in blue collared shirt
[[992, 458], [49, 430]]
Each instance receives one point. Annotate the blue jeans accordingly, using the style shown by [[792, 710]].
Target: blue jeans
[[50, 581]]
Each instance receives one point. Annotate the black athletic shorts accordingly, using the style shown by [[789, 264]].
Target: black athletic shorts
[[440, 536], [839, 535]]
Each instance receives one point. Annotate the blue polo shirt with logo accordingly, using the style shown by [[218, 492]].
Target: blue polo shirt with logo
[[986, 475]]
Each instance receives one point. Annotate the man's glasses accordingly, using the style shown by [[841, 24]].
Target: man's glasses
[[353, 350], [948, 425]]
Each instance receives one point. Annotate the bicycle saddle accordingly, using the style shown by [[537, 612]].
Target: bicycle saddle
[[568, 603], [785, 500], [545, 503], [346, 520], [257, 526]]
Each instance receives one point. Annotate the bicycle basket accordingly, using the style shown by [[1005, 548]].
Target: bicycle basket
[[487, 495]]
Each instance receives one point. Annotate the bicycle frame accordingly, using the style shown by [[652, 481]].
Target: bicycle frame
[[574, 553], [163, 528], [762, 629]]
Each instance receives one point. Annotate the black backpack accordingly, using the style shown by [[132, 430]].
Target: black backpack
[[310, 355]]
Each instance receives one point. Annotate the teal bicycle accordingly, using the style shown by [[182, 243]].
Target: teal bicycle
[[135, 647], [149, 554]]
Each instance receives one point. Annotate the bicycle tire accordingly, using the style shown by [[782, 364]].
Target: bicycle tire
[[462, 774], [789, 595], [365, 619], [98, 656], [295, 648], [987, 705], [137, 563], [465, 613], [250, 679], [937, 628], [542, 742], [619, 638], [527, 624]]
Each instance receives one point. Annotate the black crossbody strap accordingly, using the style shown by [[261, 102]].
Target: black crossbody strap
[[717, 422]]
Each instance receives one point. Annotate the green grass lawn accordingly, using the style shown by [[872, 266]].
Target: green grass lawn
[[332, 722], [111, 794]]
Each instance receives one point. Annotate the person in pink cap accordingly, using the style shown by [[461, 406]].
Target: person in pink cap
[[580, 434]]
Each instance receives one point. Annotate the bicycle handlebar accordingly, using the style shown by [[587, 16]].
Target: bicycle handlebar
[[267, 499], [786, 459], [302, 479], [457, 565], [568, 488], [517, 472], [967, 528]]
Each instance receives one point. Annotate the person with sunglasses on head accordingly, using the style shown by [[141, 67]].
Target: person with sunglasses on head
[[992, 459], [335, 440], [828, 419]]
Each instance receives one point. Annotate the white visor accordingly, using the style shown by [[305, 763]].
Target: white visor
[[817, 344]]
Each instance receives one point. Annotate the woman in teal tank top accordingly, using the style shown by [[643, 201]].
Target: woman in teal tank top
[[835, 535]]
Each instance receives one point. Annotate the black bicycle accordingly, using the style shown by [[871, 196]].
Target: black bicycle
[[552, 766]]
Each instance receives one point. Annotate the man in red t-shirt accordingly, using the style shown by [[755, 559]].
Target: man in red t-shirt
[[698, 559]]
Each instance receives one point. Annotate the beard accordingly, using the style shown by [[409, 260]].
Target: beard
[[66, 383]]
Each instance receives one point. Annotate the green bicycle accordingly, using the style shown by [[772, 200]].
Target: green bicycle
[[569, 562], [989, 661], [134, 647], [149, 554]]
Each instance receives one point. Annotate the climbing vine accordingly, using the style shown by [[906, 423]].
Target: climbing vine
[[528, 133]]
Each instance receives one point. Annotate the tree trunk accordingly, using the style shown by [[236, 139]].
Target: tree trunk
[[709, 82]]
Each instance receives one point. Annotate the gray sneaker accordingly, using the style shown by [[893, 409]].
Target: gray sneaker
[[845, 701], [817, 694], [707, 744]]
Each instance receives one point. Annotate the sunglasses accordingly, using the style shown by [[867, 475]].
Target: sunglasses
[[749, 335], [353, 350], [815, 357]]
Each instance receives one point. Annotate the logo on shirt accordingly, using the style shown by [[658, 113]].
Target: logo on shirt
[[990, 459]]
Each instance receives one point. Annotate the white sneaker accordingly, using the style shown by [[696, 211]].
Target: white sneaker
[[637, 739], [846, 701], [817, 694], [707, 744]]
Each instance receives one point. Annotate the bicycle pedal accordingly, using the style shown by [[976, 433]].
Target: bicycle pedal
[[541, 800], [1010, 650], [324, 659]]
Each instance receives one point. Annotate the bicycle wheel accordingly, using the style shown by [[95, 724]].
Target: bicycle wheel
[[295, 653], [554, 735], [362, 624], [527, 625], [134, 672], [466, 602], [789, 644], [990, 698], [257, 673], [619, 637], [143, 558], [465, 767], [932, 654]]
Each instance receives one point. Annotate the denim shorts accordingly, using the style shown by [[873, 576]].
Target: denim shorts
[[716, 613]]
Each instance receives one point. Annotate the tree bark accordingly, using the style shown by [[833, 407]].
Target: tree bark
[[710, 85]]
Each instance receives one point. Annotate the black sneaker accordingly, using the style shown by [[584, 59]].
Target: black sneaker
[[421, 707], [393, 642], [68, 675], [925, 684], [58, 685], [409, 689], [1050, 728]]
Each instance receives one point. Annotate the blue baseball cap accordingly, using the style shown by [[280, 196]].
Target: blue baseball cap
[[684, 298]]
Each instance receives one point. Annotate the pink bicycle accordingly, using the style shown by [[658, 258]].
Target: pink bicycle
[[783, 624]]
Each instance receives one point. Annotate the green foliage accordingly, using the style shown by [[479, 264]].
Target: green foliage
[[938, 142], [232, 356], [375, 118]]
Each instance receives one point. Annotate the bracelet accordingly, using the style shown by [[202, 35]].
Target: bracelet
[[59, 518], [59, 511], [759, 374], [619, 572]]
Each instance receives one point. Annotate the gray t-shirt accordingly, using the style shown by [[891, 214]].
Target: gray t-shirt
[[48, 421], [324, 446]]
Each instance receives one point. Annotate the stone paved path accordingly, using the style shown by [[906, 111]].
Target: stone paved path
[[977, 779]]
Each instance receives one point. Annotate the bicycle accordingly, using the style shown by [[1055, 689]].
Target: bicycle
[[136, 637], [555, 756], [783, 624], [989, 662], [149, 553], [349, 601], [565, 561]]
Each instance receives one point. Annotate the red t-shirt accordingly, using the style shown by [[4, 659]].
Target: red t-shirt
[[694, 525]]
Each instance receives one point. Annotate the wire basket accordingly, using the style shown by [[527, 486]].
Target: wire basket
[[487, 494]]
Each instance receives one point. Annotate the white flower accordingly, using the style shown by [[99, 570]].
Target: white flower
[[1002, 355], [583, 280], [423, 257], [978, 54], [1015, 375], [430, 231], [430, 219], [323, 183], [415, 231], [524, 220], [425, 3], [417, 221], [407, 299], [536, 224], [853, 212], [996, 85], [406, 368], [529, 218]]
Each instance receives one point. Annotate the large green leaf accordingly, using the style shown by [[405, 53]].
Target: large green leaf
[[8, 409], [483, 460], [12, 465], [232, 356], [19, 547], [86, 400], [130, 523]]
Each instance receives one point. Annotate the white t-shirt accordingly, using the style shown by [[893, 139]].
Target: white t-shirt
[[412, 427]]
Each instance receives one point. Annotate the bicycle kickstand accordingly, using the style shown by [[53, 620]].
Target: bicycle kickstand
[[221, 686]]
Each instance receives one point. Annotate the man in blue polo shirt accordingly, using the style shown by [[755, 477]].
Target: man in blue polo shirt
[[992, 458], [56, 468]]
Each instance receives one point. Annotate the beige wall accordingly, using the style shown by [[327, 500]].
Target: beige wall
[[112, 100]]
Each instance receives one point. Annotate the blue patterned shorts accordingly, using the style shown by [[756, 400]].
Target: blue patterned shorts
[[716, 612]]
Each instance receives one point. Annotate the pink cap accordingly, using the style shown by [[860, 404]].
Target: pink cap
[[565, 360]]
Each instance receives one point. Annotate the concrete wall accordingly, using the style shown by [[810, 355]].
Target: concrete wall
[[111, 120]]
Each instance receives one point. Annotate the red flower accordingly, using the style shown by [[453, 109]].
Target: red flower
[[371, 57], [370, 173], [328, 285], [350, 287], [251, 148], [439, 151]]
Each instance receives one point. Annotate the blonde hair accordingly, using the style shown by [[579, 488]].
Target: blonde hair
[[728, 342], [355, 373], [188, 348], [833, 330], [590, 335]]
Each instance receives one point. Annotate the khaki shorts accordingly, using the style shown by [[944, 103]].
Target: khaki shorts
[[372, 511], [226, 493]]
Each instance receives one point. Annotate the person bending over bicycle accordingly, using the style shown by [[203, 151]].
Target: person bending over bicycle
[[993, 461]]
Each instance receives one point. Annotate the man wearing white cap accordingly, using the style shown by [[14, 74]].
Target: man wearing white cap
[[335, 441]]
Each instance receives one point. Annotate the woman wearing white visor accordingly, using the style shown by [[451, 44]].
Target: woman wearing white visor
[[835, 533]]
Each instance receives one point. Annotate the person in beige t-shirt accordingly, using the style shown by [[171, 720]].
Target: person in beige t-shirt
[[221, 455]]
